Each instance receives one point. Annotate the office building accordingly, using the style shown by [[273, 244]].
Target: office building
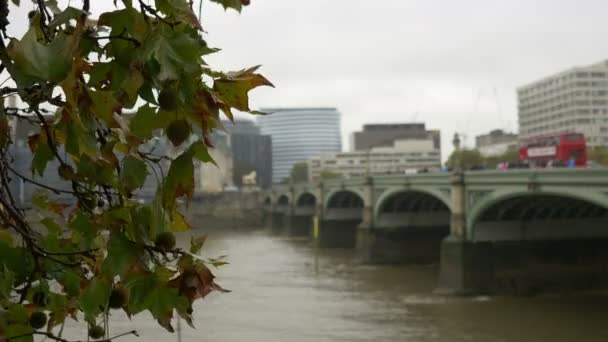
[[383, 135], [575, 100], [495, 143], [251, 152], [299, 134], [402, 157]]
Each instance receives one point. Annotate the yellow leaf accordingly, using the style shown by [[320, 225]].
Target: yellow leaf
[[178, 223]]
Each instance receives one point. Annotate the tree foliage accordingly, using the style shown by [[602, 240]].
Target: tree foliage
[[470, 158], [598, 154], [299, 172], [104, 250], [465, 159], [328, 174]]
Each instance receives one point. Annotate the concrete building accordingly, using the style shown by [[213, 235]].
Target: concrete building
[[383, 135], [251, 151], [403, 157], [299, 134], [575, 100], [238, 151], [495, 143], [217, 178]]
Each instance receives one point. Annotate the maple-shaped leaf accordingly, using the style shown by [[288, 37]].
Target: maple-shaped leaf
[[233, 87], [179, 181], [196, 282], [234, 4], [35, 61]]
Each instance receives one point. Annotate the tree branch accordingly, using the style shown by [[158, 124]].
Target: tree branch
[[60, 339]]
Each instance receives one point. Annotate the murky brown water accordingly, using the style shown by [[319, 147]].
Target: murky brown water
[[285, 290]]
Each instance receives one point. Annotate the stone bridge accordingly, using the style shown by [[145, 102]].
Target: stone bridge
[[491, 231]]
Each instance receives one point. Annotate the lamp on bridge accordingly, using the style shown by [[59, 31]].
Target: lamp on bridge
[[456, 144]]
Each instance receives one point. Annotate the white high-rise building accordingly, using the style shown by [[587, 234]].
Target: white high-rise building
[[575, 100], [299, 134]]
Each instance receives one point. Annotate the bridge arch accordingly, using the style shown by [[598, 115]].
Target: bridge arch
[[344, 198], [525, 210], [306, 199], [436, 197], [409, 226], [283, 200]]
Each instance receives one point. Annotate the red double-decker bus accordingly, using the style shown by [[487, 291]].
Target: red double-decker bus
[[556, 150]]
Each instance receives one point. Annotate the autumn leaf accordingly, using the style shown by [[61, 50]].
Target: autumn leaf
[[233, 88]]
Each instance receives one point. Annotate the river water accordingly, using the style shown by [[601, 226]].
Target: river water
[[285, 290]]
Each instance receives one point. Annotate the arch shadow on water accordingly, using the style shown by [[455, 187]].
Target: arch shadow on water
[[301, 223], [408, 228], [341, 217]]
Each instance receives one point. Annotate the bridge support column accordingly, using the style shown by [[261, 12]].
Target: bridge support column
[[400, 245], [277, 222], [462, 267], [299, 225]]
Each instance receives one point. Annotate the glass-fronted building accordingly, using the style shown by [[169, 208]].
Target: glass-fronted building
[[299, 134]]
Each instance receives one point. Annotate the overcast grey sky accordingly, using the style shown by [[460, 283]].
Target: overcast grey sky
[[452, 64]]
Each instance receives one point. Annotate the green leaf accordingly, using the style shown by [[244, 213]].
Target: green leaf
[[143, 123], [180, 9], [234, 4], [104, 105], [42, 157], [201, 152], [50, 62], [179, 181], [71, 282], [233, 88], [51, 226], [133, 174], [122, 254], [65, 16], [7, 280], [177, 53], [95, 298], [14, 330]]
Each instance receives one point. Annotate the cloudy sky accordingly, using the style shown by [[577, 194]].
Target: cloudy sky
[[452, 64]]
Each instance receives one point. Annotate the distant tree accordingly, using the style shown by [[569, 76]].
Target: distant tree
[[465, 158], [299, 172], [598, 154], [328, 174], [511, 155]]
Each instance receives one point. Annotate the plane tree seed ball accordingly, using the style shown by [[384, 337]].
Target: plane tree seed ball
[[167, 99], [96, 332], [165, 241], [118, 298], [38, 320]]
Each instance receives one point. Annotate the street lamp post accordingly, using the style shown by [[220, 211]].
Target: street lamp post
[[456, 144]]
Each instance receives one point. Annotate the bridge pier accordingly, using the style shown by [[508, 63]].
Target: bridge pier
[[337, 233], [278, 221], [405, 245], [523, 267], [524, 245], [299, 225]]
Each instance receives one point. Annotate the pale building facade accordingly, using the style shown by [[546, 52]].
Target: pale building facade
[[405, 156], [495, 143], [575, 100]]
